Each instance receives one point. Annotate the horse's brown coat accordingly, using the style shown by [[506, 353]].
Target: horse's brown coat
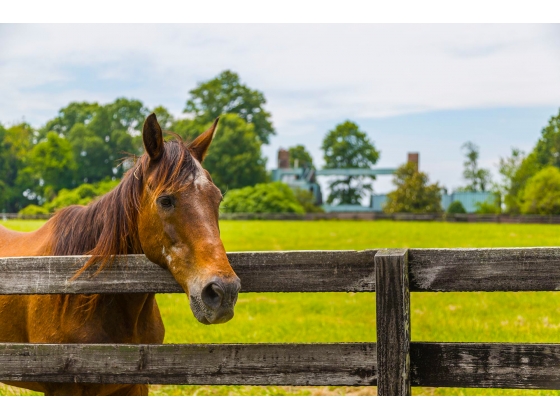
[[166, 206]]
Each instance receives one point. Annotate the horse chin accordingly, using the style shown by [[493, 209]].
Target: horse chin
[[202, 319], [202, 316]]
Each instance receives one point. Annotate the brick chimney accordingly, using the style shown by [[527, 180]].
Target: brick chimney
[[414, 158], [283, 159]]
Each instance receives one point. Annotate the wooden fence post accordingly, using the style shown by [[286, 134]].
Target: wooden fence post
[[393, 322]]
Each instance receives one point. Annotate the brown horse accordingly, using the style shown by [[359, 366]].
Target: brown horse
[[166, 207]]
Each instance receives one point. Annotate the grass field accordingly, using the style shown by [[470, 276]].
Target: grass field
[[336, 317]]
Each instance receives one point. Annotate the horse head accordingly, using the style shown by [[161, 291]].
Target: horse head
[[178, 221]]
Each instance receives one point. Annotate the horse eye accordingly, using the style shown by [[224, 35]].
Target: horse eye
[[165, 201]]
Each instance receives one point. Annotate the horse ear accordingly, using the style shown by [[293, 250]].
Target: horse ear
[[153, 137], [199, 147]]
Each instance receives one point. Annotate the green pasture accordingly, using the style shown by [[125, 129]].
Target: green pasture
[[337, 317]]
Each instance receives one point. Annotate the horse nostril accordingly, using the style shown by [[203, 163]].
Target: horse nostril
[[212, 295]]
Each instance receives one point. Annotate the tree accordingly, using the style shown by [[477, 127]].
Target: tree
[[274, 197], [74, 113], [234, 160], [546, 153], [478, 178], [542, 192], [225, 94], [52, 165], [99, 135], [15, 144], [347, 147], [413, 193], [302, 156], [91, 154], [506, 187]]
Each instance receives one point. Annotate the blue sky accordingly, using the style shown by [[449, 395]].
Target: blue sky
[[421, 87]]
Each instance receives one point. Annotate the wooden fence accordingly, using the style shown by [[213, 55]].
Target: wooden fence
[[393, 363]]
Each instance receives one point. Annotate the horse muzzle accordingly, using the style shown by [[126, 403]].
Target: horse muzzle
[[215, 301]]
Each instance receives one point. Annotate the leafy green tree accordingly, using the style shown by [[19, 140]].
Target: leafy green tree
[[91, 154], [302, 156], [546, 153], [507, 186], [456, 207], [234, 160], [347, 147], [478, 178], [541, 195], [225, 94], [74, 113], [274, 197], [413, 193], [52, 165], [99, 135], [15, 144]]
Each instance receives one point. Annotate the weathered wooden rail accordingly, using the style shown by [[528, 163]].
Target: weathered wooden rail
[[393, 363]]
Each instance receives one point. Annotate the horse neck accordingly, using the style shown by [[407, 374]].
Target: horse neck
[[103, 228]]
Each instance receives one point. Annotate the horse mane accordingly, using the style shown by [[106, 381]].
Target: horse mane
[[109, 226]]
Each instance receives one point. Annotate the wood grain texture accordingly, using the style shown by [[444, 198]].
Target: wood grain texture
[[393, 322], [298, 271], [484, 269], [486, 365], [344, 364]]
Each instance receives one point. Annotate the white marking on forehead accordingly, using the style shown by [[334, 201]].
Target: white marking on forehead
[[201, 179]]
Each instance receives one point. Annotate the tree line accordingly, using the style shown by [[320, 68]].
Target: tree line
[[527, 183], [87, 143], [81, 153]]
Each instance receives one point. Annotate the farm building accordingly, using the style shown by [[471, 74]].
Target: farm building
[[306, 178]]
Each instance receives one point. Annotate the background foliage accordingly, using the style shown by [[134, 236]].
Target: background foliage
[[456, 207], [274, 197], [347, 147], [413, 193], [86, 143]]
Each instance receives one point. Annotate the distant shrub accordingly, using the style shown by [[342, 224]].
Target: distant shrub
[[33, 210], [484, 207], [307, 201], [542, 192], [82, 195], [274, 197], [456, 207]]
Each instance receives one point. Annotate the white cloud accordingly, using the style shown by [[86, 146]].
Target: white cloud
[[306, 71]]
